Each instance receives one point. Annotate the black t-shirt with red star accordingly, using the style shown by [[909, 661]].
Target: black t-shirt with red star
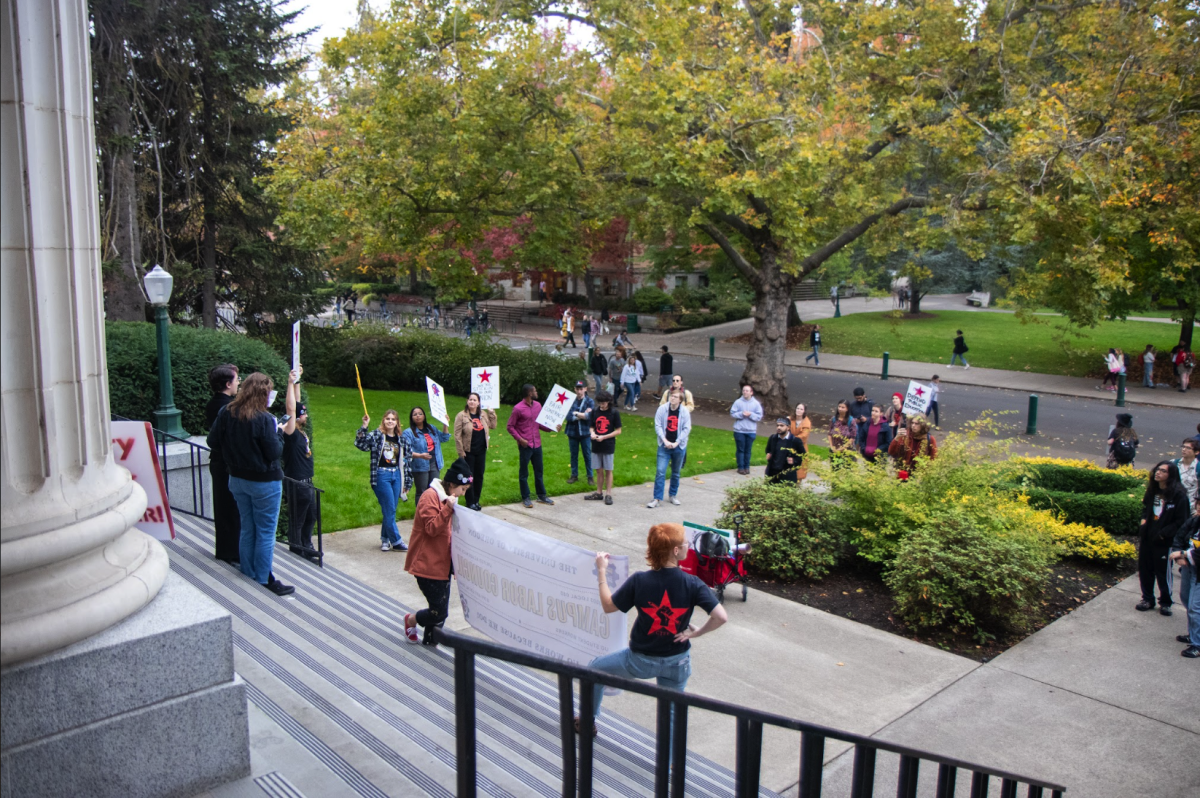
[[664, 599], [478, 433], [604, 422]]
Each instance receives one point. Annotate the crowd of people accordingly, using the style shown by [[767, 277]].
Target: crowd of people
[[1117, 363]]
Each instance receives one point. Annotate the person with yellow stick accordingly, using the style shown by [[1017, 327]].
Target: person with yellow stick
[[391, 469]]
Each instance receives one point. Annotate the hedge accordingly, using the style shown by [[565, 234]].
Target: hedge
[[1086, 496], [133, 368]]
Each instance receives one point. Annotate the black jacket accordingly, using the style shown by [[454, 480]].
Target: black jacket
[[960, 346], [814, 338], [599, 364], [250, 448], [778, 452], [1160, 532], [1188, 530], [861, 409]]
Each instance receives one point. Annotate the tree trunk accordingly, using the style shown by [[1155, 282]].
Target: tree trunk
[[208, 254], [1188, 326], [412, 279], [765, 357], [589, 287], [914, 302]]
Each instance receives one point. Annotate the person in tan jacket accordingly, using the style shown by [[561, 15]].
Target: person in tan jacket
[[472, 437], [429, 550]]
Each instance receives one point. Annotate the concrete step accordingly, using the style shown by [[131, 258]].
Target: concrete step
[[331, 667]]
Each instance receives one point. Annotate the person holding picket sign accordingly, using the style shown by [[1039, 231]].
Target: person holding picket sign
[[425, 445], [391, 472], [472, 437]]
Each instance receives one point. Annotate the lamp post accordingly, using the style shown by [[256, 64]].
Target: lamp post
[[158, 291]]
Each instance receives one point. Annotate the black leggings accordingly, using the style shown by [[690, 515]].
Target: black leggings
[[437, 594], [1152, 568], [478, 462]]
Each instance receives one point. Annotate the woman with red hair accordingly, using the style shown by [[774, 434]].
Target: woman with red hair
[[665, 597]]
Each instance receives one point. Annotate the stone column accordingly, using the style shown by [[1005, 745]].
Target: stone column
[[71, 562]]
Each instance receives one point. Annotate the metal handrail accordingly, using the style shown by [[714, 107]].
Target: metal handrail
[[671, 754]]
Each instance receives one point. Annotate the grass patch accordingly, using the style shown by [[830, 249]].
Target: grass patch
[[343, 472], [996, 340]]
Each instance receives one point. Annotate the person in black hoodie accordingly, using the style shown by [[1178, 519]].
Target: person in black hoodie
[[1164, 510], [785, 453], [246, 437], [227, 526], [860, 408]]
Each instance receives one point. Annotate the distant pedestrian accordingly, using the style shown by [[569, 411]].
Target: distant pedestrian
[[585, 326], [666, 368], [833, 296], [1112, 367], [935, 391], [483, 321], [425, 449], [843, 434], [746, 412], [523, 426], [622, 340], [606, 426], [630, 380], [568, 325], [579, 432], [616, 365], [541, 291], [1164, 511], [785, 453], [227, 525], [472, 438], [814, 340], [599, 368], [429, 558], [595, 329], [677, 385], [643, 372], [875, 436], [351, 307], [912, 442], [960, 351], [1122, 442], [1148, 366], [391, 472], [802, 428], [1185, 363], [1187, 555], [860, 408], [672, 425]]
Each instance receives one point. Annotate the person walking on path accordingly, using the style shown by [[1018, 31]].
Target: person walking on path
[[1122, 442], [672, 425], [785, 453], [472, 437], [606, 426], [585, 326], [246, 437], [912, 442], [833, 296], [425, 449], [523, 426], [843, 434], [579, 432], [666, 370], [1187, 556], [875, 436], [1184, 362], [1112, 367], [643, 372], [860, 408], [595, 328], [1148, 367], [665, 597], [1164, 510], [429, 555], [935, 390], [568, 325], [630, 382], [599, 368], [746, 412], [960, 351], [227, 525], [814, 340], [298, 468], [391, 472], [541, 291], [616, 365], [801, 428], [677, 385]]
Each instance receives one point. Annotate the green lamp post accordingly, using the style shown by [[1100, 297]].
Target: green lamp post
[[158, 291]]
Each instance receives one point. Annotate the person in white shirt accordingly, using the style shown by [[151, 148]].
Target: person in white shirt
[[935, 390], [1148, 367]]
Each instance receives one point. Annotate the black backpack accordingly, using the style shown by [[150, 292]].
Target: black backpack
[[710, 544], [1124, 450]]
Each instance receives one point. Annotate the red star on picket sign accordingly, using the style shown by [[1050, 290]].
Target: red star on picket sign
[[666, 618], [485, 376], [562, 397], [920, 392]]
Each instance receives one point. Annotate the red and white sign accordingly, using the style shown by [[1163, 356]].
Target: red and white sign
[[133, 448], [485, 381], [917, 399], [437, 401], [555, 407]]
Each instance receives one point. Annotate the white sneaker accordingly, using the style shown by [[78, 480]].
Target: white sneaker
[[675, 500], [385, 546], [652, 503], [967, 366]]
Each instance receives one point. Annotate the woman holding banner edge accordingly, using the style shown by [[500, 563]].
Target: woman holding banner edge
[[472, 437]]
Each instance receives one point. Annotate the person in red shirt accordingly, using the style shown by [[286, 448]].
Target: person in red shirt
[[523, 426], [428, 556]]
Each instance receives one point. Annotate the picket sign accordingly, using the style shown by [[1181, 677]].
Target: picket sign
[[917, 399], [133, 448], [437, 401], [555, 408], [485, 381]]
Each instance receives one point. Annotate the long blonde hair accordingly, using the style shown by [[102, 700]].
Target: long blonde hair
[[252, 396], [383, 418]]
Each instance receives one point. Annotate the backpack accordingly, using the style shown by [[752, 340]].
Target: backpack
[[710, 544], [1123, 450], [1189, 361]]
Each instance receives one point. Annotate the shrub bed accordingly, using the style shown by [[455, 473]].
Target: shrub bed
[[792, 533], [1094, 497]]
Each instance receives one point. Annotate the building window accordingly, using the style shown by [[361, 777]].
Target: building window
[[703, 280], [681, 281]]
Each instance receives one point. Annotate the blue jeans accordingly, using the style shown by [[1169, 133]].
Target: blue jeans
[[587, 340], [670, 672], [959, 356], [258, 505], [1189, 594], [630, 393], [637, 392], [387, 490], [1148, 377], [815, 355], [745, 444], [576, 445], [674, 459]]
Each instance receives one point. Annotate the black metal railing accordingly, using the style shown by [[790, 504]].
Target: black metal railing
[[671, 754], [195, 502]]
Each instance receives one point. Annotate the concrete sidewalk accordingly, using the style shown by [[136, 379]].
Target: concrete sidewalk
[[1095, 700]]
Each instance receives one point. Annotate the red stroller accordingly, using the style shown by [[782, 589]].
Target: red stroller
[[717, 556]]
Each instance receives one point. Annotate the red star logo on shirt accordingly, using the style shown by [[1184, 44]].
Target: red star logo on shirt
[[485, 376], [562, 397], [665, 617]]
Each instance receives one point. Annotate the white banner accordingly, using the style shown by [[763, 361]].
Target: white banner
[[917, 399], [485, 381], [437, 401], [296, 346], [133, 448], [555, 408], [532, 592]]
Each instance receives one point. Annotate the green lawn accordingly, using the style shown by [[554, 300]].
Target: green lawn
[[996, 340], [343, 472]]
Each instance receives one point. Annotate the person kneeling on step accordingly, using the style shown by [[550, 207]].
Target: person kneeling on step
[[429, 549]]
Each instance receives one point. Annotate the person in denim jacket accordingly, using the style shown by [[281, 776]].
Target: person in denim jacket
[[425, 445]]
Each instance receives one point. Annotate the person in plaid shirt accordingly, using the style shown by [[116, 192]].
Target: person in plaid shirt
[[391, 473]]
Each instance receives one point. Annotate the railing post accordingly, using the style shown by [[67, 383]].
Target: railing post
[[464, 721], [587, 719], [679, 751], [566, 728], [712, 347], [812, 761], [906, 786], [662, 749], [947, 775], [979, 785], [1008, 788], [1035, 791], [320, 542], [886, 357], [1031, 424], [749, 757], [1120, 390], [863, 783]]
